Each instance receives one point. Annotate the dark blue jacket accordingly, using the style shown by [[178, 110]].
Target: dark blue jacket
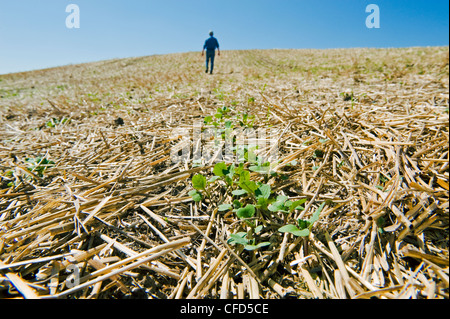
[[211, 44]]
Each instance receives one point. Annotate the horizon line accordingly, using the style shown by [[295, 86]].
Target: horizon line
[[185, 52]]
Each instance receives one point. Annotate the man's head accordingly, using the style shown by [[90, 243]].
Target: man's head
[[211, 33]]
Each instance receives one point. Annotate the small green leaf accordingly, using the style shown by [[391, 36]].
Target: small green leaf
[[239, 169], [244, 176], [278, 205], [239, 192], [296, 205], [237, 204], [238, 238], [229, 172], [249, 186], [258, 229], [303, 224], [219, 169], [264, 191], [213, 179], [254, 247], [228, 180], [315, 216], [196, 196], [199, 182], [294, 230], [207, 120], [246, 212], [263, 202], [225, 207], [259, 169]]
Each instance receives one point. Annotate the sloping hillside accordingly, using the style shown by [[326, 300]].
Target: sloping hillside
[[113, 186]]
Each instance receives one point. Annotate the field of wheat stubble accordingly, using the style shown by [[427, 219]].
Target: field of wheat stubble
[[345, 195]]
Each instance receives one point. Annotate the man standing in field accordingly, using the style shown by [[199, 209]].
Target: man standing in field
[[211, 45]]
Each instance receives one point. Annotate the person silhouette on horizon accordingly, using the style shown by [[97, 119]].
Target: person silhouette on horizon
[[211, 44]]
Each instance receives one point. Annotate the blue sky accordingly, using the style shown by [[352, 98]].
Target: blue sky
[[33, 34]]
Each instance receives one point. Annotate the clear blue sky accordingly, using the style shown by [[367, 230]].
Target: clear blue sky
[[33, 33]]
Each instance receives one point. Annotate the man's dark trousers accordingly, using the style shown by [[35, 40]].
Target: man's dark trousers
[[210, 54]]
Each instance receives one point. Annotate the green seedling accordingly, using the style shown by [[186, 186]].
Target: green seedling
[[222, 112], [54, 122], [282, 204], [208, 120], [263, 168], [262, 194], [226, 173], [225, 207], [303, 227], [249, 244], [242, 238], [199, 182], [196, 195], [239, 192], [246, 120], [258, 191], [246, 184], [246, 212], [38, 165], [220, 169]]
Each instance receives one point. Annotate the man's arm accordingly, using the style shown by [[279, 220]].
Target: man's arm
[[218, 49], [204, 47]]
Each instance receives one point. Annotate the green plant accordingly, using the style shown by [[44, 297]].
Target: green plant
[[262, 168], [242, 238], [246, 120], [38, 165], [222, 113], [54, 122], [249, 198], [246, 212], [219, 94], [199, 182], [303, 227], [282, 204]]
